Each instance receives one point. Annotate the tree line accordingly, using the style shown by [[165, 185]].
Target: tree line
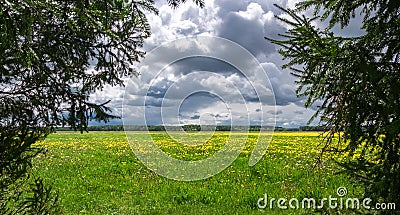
[[194, 127]]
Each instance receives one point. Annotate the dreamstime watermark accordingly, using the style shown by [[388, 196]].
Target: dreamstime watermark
[[165, 84], [338, 201]]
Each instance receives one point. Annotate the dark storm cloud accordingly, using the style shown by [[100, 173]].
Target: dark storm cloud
[[199, 63], [249, 26], [283, 85]]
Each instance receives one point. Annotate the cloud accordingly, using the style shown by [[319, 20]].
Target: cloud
[[275, 112], [249, 26], [283, 85], [218, 90], [298, 112], [186, 20], [290, 116], [197, 92]]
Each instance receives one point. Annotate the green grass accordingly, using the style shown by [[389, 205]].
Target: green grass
[[97, 173]]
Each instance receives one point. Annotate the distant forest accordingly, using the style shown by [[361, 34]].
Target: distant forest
[[194, 128]]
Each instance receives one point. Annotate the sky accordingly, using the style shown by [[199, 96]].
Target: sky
[[206, 90]]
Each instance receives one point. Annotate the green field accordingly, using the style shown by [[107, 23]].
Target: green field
[[97, 173]]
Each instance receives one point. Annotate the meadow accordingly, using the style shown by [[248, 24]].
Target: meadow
[[97, 173]]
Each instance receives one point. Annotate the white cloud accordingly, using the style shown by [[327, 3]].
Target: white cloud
[[254, 12], [186, 20]]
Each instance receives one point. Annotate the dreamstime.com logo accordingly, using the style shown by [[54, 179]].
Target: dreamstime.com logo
[[162, 88], [339, 201]]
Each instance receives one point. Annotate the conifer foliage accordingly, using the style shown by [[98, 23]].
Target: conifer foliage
[[357, 81]]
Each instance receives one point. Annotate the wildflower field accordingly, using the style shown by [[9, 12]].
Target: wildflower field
[[97, 173]]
